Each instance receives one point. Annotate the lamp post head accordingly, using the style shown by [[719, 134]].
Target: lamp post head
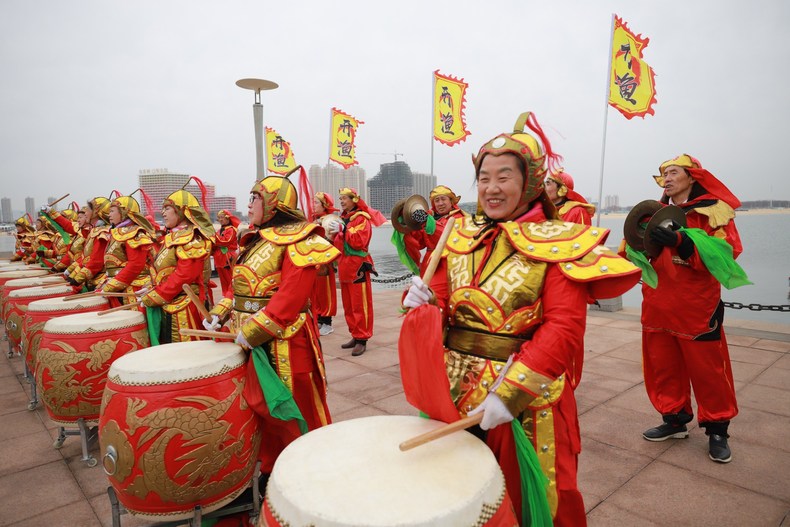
[[257, 85]]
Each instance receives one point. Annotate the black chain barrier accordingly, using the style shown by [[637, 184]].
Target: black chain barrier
[[392, 280], [756, 307]]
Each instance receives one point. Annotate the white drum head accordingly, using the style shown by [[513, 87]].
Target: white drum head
[[38, 280], [352, 473], [92, 323], [61, 304], [28, 292], [22, 273], [177, 362]]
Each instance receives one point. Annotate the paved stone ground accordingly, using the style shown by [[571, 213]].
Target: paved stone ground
[[625, 480]]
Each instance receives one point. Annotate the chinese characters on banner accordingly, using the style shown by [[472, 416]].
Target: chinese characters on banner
[[449, 125], [632, 81], [343, 133], [281, 157]]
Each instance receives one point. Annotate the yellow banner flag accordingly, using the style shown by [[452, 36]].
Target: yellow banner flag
[[343, 134], [449, 98], [281, 157], [632, 87]]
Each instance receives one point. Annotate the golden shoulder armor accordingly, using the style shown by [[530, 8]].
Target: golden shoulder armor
[[287, 234], [313, 250], [599, 263], [554, 240], [719, 214], [198, 247], [122, 234]]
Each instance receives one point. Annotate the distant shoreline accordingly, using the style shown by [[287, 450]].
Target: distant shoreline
[[739, 212]]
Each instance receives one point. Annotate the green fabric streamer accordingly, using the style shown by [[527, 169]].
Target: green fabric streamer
[[278, 397], [347, 250], [639, 259], [717, 256], [430, 225], [223, 250], [63, 234], [400, 246], [535, 510], [154, 317]]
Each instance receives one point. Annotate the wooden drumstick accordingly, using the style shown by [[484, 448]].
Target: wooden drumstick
[[204, 333], [52, 286], [64, 196], [195, 300], [461, 424], [119, 308], [78, 296], [436, 255]]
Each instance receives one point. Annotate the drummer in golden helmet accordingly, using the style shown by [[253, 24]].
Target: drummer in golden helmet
[[515, 313], [325, 293], [571, 206], [444, 206], [226, 246], [67, 222], [182, 259], [25, 234], [62, 226], [45, 242], [76, 250], [130, 249], [91, 271], [269, 310]]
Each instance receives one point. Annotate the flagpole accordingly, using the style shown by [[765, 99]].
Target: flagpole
[[605, 120], [329, 143], [433, 116]]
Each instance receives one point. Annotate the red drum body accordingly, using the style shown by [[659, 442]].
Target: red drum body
[[17, 305], [75, 354], [352, 473], [175, 431], [40, 311], [21, 283]]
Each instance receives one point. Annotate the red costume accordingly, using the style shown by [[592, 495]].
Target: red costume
[[325, 292], [572, 206], [91, 269], [225, 248], [683, 342]]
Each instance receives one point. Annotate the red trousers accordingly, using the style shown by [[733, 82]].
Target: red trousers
[[358, 306], [225, 277], [672, 366]]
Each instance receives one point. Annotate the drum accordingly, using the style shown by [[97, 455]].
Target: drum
[[75, 353], [5, 276], [20, 283], [175, 431], [16, 307], [6, 265], [352, 473], [39, 311]]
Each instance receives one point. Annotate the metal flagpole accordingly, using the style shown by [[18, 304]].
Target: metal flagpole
[[257, 85], [605, 119], [433, 116]]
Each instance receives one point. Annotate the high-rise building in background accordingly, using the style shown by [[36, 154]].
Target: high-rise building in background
[[30, 207], [611, 202], [6, 214], [331, 178], [225, 203], [159, 183], [396, 181], [51, 200], [424, 184], [210, 192]]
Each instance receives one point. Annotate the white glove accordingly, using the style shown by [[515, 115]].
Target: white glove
[[241, 341], [494, 411], [213, 325], [44, 208], [418, 294], [335, 227], [142, 292], [66, 273]]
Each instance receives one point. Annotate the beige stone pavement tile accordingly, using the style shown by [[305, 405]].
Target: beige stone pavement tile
[[765, 398], [14, 402], [395, 405], [772, 345], [5, 368], [338, 369], [78, 514], [91, 480], [630, 352], [360, 411], [103, 510], [752, 355], [598, 388], [607, 515], [783, 362], [375, 358], [629, 325], [28, 451], [369, 387], [594, 320], [762, 428], [602, 339], [613, 367], [19, 424], [635, 399], [340, 403], [761, 469], [604, 468], [674, 496], [746, 372], [739, 340], [392, 370], [590, 501], [40, 489], [775, 378]]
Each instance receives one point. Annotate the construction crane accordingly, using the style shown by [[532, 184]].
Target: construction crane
[[393, 153]]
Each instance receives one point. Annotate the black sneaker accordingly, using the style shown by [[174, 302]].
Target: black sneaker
[[718, 449], [666, 431]]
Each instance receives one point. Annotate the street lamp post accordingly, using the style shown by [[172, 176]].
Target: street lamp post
[[258, 85]]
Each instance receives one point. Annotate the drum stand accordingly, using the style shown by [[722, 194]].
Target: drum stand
[[10, 352], [33, 404], [246, 501], [87, 437]]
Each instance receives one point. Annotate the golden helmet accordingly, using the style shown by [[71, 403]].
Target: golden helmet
[[22, 221], [100, 207], [69, 214], [277, 193], [535, 153], [126, 204]]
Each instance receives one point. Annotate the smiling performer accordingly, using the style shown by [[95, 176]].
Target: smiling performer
[[515, 313], [268, 308], [182, 259]]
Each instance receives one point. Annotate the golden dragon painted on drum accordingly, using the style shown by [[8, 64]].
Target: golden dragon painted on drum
[[63, 388], [207, 441]]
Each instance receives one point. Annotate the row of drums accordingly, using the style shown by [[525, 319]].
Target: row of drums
[[175, 431]]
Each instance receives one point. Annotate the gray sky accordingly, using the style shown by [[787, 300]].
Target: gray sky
[[93, 91]]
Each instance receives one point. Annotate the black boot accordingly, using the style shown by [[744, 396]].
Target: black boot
[[360, 348], [350, 344], [718, 449]]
